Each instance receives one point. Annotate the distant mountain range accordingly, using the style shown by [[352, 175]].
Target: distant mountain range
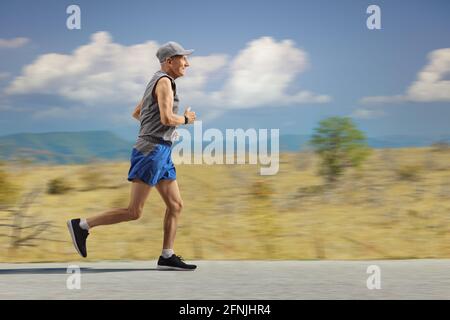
[[86, 146], [297, 142], [64, 147]]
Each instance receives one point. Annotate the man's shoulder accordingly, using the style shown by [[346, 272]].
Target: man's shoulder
[[161, 81], [164, 83]]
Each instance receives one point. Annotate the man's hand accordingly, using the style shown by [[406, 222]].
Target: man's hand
[[137, 110], [190, 115]]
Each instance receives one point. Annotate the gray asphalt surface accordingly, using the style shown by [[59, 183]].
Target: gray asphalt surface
[[287, 280]]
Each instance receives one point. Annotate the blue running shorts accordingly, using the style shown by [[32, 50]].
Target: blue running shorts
[[153, 167]]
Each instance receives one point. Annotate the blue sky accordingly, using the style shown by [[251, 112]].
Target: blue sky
[[320, 47]]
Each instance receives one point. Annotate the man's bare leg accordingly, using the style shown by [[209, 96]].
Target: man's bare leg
[[170, 193], [78, 228], [139, 194]]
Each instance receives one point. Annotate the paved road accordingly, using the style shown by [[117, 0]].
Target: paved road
[[403, 279]]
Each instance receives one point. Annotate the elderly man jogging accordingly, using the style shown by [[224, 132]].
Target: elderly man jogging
[[151, 161]]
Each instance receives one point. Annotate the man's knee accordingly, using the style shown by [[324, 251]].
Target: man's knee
[[134, 213], [176, 206]]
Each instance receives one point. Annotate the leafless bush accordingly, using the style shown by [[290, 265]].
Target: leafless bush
[[58, 186], [440, 146], [409, 172], [25, 229], [261, 189]]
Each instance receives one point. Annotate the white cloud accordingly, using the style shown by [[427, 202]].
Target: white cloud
[[430, 85], [261, 73], [13, 43], [101, 72], [367, 114], [103, 75]]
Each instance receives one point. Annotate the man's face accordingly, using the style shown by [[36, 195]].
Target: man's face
[[178, 65]]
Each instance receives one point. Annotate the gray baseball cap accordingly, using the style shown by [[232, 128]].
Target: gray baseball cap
[[171, 49]]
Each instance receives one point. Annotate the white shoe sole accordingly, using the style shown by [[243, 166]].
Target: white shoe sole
[[172, 268], [72, 234]]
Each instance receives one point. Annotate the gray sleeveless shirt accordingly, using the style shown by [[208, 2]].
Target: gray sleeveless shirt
[[152, 130]]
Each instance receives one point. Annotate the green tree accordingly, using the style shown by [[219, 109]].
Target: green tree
[[340, 145]]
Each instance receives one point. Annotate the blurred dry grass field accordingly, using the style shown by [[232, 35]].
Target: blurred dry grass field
[[397, 205]]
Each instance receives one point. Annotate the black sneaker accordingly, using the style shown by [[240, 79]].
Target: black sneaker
[[174, 263], [79, 236]]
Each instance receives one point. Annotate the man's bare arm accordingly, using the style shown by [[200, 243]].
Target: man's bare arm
[[164, 94]]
